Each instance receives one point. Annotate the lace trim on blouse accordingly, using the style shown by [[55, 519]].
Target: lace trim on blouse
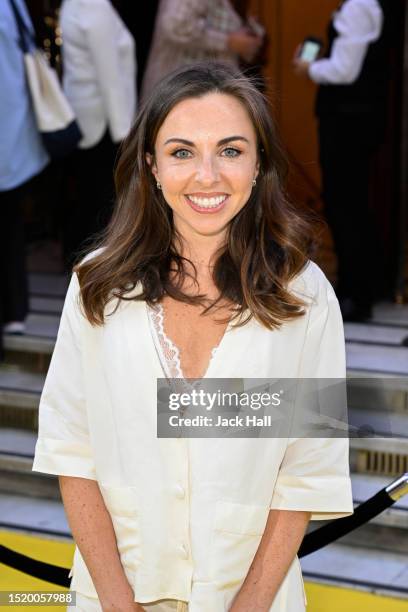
[[168, 352]]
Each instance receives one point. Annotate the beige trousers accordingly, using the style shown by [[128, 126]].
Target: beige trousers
[[88, 604]]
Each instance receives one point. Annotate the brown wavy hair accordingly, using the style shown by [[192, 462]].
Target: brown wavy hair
[[268, 242]]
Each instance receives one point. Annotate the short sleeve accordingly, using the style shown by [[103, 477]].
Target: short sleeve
[[63, 446], [314, 475]]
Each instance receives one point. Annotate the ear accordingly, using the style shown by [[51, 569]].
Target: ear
[[150, 162], [257, 167]]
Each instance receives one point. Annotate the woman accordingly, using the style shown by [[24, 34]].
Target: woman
[[100, 82], [211, 524]]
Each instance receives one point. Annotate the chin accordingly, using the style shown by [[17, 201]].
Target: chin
[[209, 229]]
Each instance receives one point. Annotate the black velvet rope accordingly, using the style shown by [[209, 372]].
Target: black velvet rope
[[33, 567], [339, 527]]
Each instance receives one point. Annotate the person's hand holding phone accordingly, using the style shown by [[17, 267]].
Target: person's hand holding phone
[[305, 54]]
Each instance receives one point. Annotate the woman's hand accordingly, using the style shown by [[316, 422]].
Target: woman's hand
[[244, 43]]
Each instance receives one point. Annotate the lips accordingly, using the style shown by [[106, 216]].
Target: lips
[[212, 203]]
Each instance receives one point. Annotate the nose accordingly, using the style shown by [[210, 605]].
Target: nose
[[207, 170]]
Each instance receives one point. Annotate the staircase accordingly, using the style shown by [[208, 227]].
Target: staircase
[[374, 558], [29, 501]]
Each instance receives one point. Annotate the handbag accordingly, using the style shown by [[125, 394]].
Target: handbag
[[54, 116]]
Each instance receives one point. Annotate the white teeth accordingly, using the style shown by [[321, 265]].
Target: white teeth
[[208, 202]]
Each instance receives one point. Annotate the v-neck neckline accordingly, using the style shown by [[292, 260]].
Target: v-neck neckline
[[213, 356]]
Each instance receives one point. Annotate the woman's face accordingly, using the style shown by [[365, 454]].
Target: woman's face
[[206, 159]]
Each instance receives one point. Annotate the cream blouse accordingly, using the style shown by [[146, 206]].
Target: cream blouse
[[189, 513]]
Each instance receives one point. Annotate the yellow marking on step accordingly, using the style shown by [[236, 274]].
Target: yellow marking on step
[[44, 549], [327, 598], [321, 597]]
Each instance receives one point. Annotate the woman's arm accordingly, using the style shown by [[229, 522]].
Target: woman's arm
[[280, 542], [93, 532]]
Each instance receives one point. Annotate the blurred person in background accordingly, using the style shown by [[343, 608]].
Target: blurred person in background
[[99, 77], [187, 31], [351, 109], [22, 157]]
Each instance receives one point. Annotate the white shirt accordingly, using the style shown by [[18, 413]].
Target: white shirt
[[189, 513], [358, 23], [99, 69]]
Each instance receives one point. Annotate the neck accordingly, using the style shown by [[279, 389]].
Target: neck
[[202, 249]]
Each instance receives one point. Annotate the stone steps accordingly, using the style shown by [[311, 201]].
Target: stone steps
[[25, 513], [377, 359], [47, 284], [375, 333], [46, 305], [379, 572], [382, 423]]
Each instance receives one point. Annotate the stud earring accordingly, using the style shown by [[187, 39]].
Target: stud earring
[[158, 185], [254, 182]]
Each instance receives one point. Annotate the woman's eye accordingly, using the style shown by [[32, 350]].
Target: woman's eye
[[231, 152], [181, 154]]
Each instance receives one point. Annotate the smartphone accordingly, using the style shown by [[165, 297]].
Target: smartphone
[[310, 49]]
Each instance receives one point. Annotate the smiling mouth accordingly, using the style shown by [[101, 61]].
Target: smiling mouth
[[206, 203]]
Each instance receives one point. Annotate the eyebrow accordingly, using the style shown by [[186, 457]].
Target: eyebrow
[[219, 143]]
